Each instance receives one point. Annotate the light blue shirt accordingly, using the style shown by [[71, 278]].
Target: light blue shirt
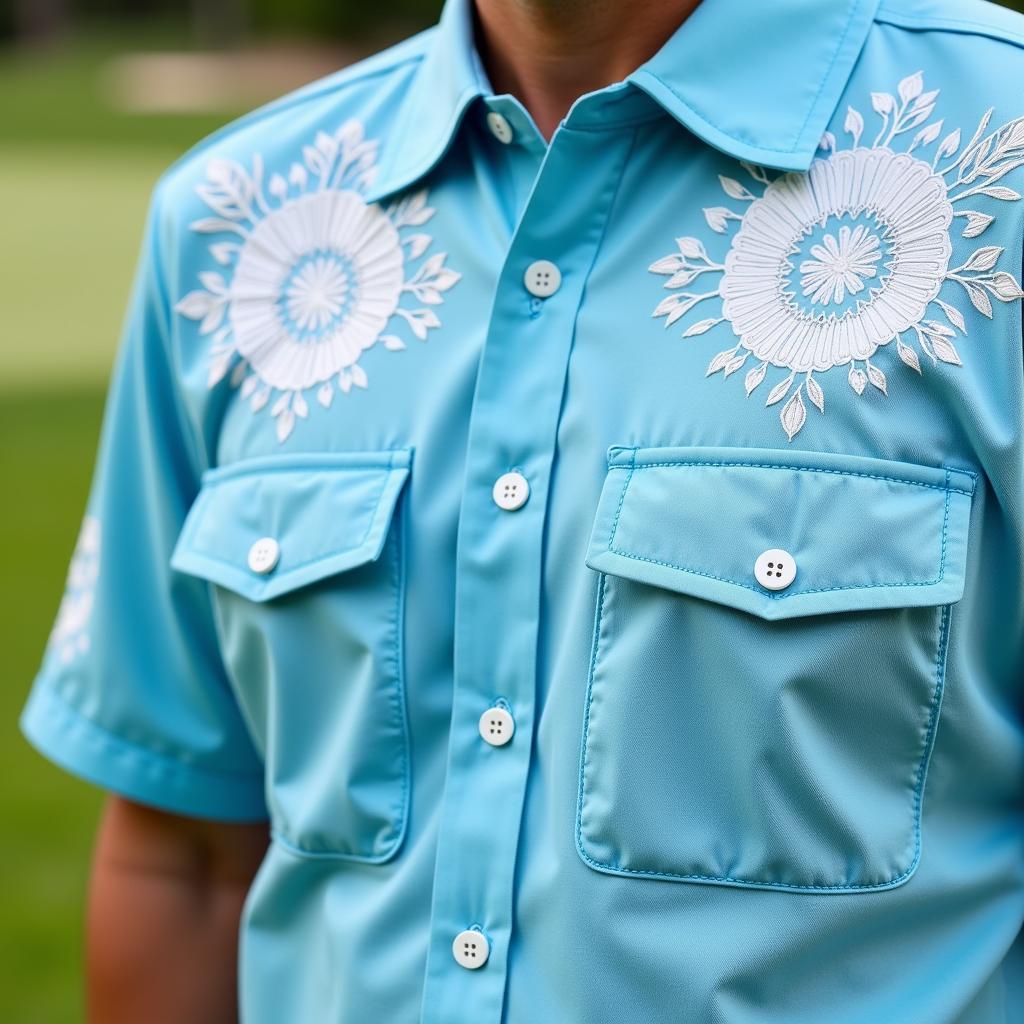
[[600, 559]]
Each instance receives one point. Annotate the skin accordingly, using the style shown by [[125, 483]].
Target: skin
[[166, 892], [548, 53]]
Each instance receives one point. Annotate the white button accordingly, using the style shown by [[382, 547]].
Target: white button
[[471, 949], [510, 491], [542, 278], [497, 726], [775, 569], [263, 555], [500, 128]]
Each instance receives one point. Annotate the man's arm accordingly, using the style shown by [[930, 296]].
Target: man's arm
[[165, 898]]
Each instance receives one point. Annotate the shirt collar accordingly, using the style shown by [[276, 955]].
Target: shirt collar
[[758, 81]]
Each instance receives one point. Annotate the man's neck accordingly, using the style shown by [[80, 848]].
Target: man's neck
[[547, 53]]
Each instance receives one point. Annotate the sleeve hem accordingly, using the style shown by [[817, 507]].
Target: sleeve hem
[[81, 747]]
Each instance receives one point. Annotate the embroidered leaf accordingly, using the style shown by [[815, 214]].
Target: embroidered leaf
[[345, 381], [928, 135], [754, 377], [793, 415], [285, 424], [667, 264], [691, 248], [667, 304], [734, 364], [757, 173], [260, 399], [213, 282], [815, 394], [733, 188], [916, 117], [854, 124], [1000, 192], [700, 327], [418, 212], [299, 406], [221, 252], [976, 223], [359, 376], [911, 86], [445, 278], [281, 404], [277, 186], [195, 305], [392, 342], [298, 176], [719, 361], [717, 218], [908, 355], [876, 377], [238, 374], [681, 279], [417, 245], [828, 142], [934, 327], [219, 367], [858, 381], [953, 315], [213, 319], [926, 99], [249, 384], [981, 302], [946, 351], [984, 258], [883, 103], [325, 395], [1004, 287], [950, 144], [779, 392]]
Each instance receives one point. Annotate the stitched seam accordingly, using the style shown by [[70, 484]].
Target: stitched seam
[[350, 461], [921, 774], [957, 25], [804, 469]]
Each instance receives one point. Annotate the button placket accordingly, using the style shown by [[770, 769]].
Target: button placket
[[499, 562]]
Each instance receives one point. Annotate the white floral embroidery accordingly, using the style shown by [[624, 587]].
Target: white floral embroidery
[[317, 274], [830, 265], [70, 636]]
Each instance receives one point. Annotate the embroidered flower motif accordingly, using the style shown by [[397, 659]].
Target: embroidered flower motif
[[840, 265], [831, 265], [70, 636], [317, 274]]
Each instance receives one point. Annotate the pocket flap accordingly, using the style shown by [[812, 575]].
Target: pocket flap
[[864, 533], [325, 512]]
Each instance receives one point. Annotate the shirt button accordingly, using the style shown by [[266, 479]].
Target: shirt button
[[471, 949], [542, 278], [510, 491], [263, 555], [775, 569], [500, 128], [497, 726]]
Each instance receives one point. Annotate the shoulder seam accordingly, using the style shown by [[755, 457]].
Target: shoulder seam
[[334, 82]]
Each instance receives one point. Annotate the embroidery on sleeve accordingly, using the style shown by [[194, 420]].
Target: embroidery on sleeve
[[315, 274], [829, 266], [70, 634]]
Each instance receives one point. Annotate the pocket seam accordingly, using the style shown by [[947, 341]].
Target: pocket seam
[[921, 773]]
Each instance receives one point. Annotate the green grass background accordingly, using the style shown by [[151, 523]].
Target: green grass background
[[75, 179]]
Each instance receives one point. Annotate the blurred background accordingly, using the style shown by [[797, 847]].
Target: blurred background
[[97, 97]]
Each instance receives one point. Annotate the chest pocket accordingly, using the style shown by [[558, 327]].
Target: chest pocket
[[305, 556], [777, 738]]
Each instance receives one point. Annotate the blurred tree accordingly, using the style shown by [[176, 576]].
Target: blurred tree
[[219, 22], [41, 21]]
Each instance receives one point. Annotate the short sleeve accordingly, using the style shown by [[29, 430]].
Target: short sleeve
[[132, 693]]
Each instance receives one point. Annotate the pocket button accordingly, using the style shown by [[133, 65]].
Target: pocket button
[[264, 555], [775, 569]]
